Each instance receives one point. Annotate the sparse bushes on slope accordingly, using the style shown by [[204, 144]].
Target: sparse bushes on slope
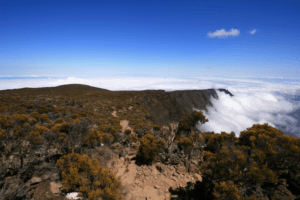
[[258, 157], [80, 173]]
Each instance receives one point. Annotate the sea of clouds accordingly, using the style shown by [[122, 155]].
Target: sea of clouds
[[255, 100]]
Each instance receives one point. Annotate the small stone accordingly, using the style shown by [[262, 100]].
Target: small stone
[[195, 162], [157, 186], [35, 180]]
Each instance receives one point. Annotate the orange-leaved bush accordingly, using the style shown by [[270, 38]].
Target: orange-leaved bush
[[80, 173], [44, 118], [226, 190], [5, 121], [148, 149], [22, 118], [2, 134], [35, 134], [189, 120], [95, 137]]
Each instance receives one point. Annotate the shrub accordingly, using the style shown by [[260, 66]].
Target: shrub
[[76, 121], [185, 144], [59, 120], [83, 114], [2, 134], [75, 115], [5, 121], [20, 117], [258, 157], [127, 132], [95, 138], [190, 120], [44, 118], [225, 164], [35, 115], [106, 128], [26, 125], [80, 173], [32, 120], [65, 127], [226, 190], [43, 109], [157, 127], [17, 130], [148, 149], [35, 135], [133, 138]]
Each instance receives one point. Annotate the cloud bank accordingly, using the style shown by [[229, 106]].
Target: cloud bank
[[223, 33], [247, 108]]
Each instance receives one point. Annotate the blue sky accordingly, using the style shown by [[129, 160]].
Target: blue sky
[[90, 39], [251, 48]]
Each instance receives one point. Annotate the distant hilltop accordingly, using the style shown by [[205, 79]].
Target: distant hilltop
[[61, 88]]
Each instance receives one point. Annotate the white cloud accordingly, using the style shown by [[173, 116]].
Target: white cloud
[[247, 108], [253, 32], [223, 33]]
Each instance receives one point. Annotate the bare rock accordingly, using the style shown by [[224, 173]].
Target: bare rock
[[55, 187], [180, 169], [44, 192], [197, 177], [283, 193], [35, 180]]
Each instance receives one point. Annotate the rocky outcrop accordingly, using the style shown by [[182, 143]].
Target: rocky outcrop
[[23, 168], [167, 107]]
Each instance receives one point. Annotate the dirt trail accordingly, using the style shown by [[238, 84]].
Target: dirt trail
[[146, 182]]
